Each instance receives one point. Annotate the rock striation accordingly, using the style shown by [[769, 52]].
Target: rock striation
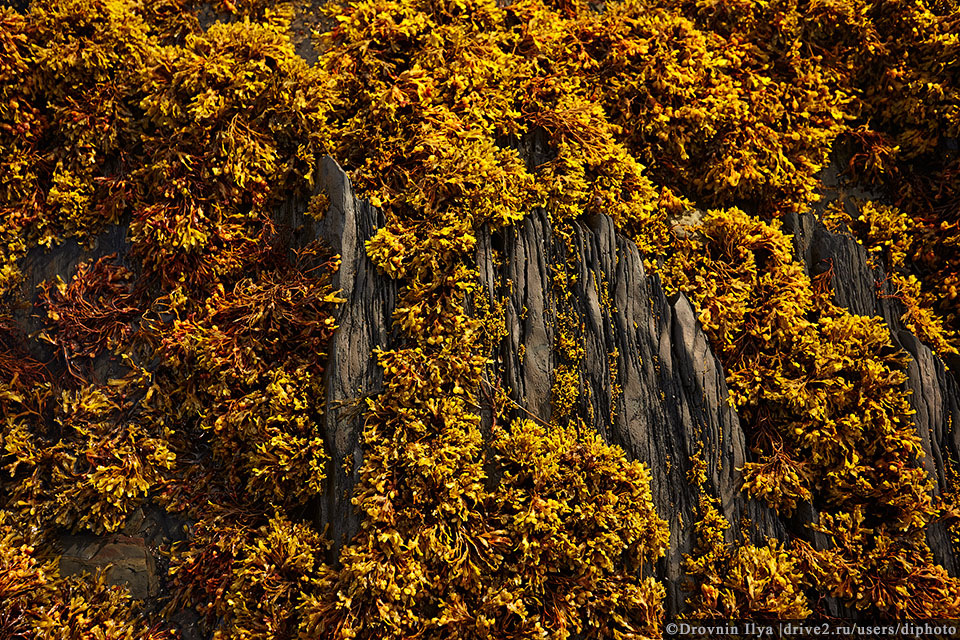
[[933, 390], [646, 378]]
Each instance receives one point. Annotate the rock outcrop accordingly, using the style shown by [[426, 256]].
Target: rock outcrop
[[933, 390], [646, 380], [364, 321]]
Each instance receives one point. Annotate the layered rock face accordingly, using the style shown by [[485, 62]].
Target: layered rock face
[[933, 391], [646, 380]]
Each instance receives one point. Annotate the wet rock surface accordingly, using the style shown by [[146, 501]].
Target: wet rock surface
[[126, 559]]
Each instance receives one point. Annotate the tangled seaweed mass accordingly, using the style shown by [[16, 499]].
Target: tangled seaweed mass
[[129, 114]]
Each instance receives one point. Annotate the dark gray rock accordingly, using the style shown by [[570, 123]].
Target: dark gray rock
[[820, 250], [933, 391], [131, 557], [364, 321], [648, 380], [526, 358], [935, 397]]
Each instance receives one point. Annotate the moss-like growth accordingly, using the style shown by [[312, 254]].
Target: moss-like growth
[[248, 367], [895, 65], [63, 170], [742, 581], [93, 314]]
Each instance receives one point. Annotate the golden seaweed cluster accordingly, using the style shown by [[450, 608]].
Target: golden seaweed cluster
[[820, 392], [130, 114], [896, 66]]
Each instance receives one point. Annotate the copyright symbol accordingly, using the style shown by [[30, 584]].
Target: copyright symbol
[[671, 628]]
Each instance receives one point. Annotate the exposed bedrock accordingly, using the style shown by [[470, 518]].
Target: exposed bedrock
[[646, 378], [364, 321], [933, 390]]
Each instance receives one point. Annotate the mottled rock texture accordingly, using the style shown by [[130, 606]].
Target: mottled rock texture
[[126, 561]]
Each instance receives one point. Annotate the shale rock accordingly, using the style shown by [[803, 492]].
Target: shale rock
[[364, 322], [933, 391], [648, 380]]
